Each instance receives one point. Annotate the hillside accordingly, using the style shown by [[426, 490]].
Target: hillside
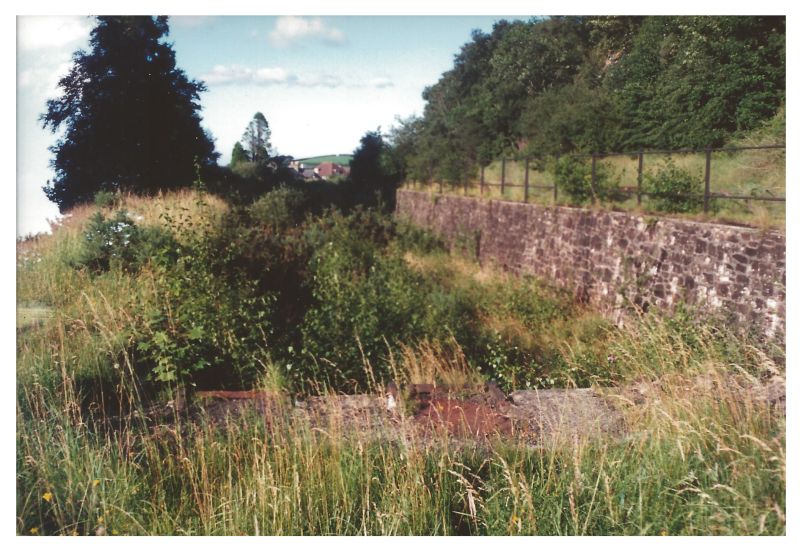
[[341, 159]]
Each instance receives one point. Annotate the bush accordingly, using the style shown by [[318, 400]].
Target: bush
[[574, 177], [211, 323], [279, 208], [117, 242], [106, 198], [674, 190]]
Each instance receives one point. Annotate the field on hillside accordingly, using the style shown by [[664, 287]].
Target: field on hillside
[[341, 159], [134, 316]]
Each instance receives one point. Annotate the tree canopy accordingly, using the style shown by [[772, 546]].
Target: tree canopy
[[130, 117], [597, 84]]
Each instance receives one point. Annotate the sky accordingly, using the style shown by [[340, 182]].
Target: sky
[[321, 82]]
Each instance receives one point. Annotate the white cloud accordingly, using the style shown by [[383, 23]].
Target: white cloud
[[267, 76], [190, 21], [43, 79], [291, 29], [381, 82], [49, 32]]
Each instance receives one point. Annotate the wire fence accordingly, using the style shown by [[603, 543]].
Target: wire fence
[[639, 191]]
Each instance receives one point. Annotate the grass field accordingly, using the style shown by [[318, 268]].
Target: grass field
[[704, 451], [341, 159]]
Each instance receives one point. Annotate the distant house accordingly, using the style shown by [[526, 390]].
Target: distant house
[[327, 170], [310, 174]]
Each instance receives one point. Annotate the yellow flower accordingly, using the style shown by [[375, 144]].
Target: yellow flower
[[34, 530], [48, 496], [95, 483], [100, 519], [663, 533]]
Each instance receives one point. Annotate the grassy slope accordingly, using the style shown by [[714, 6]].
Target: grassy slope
[[712, 462], [341, 159]]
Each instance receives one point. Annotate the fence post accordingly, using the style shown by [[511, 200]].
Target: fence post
[[555, 180], [594, 163], [526, 180], [503, 178], [482, 180], [707, 191], [639, 178]]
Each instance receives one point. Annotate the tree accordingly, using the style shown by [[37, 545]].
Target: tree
[[374, 169], [238, 155], [130, 117], [256, 139]]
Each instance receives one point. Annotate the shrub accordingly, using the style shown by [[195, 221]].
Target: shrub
[[279, 208], [117, 242], [106, 198], [210, 323], [574, 177], [674, 190]]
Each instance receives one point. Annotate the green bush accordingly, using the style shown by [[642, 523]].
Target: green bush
[[674, 190], [574, 178], [106, 198], [279, 208], [117, 242], [211, 322]]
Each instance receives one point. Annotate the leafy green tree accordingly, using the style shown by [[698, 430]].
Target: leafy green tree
[[571, 118], [130, 117], [238, 155], [374, 170], [696, 81], [256, 139]]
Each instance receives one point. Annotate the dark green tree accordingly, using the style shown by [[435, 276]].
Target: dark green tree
[[238, 155], [130, 117], [374, 170], [256, 139]]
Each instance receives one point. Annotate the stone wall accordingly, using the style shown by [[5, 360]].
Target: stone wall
[[617, 259]]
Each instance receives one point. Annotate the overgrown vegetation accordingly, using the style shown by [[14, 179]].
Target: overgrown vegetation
[[304, 298]]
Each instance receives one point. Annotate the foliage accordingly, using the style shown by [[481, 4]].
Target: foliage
[[238, 155], [211, 325], [574, 177], [596, 84], [374, 170], [697, 81], [129, 116], [281, 208], [117, 242], [104, 198], [256, 139], [573, 118], [674, 190]]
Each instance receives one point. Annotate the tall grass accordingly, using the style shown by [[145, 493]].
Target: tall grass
[[702, 452]]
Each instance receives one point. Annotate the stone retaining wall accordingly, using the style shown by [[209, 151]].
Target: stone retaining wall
[[617, 259]]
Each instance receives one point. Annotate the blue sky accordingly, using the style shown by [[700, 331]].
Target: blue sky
[[321, 82]]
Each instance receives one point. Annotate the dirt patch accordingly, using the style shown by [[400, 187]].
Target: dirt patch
[[427, 412]]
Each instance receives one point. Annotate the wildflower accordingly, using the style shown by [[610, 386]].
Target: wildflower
[[48, 496], [100, 519], [663, 533], [95, 483], [612, 358], [34, 530]]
